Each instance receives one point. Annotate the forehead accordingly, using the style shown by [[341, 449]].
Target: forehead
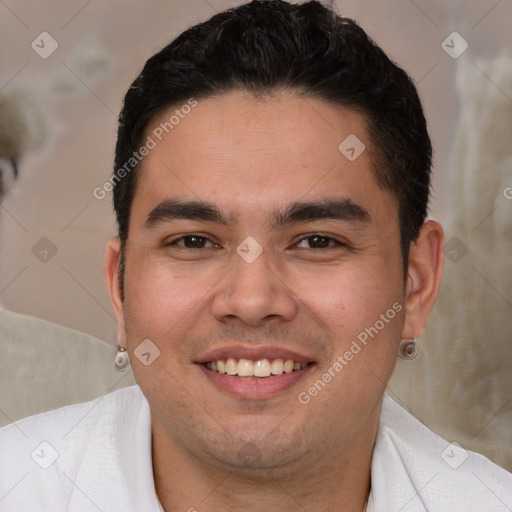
[[243, 151]]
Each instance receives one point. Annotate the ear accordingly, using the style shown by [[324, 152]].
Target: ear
[[426, 262], [111, 272]]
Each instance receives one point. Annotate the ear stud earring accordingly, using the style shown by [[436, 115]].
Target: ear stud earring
[[408, 349], [121, 361]]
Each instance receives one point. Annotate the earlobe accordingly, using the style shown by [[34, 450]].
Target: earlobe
[[111, 272], [426, 261]]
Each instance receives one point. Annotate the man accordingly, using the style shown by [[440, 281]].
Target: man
[[271, 186]]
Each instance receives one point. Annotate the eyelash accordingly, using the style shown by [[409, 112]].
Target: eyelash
[[184, 237], [330, 240]]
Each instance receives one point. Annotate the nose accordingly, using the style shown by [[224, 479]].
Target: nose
[[254, 294]]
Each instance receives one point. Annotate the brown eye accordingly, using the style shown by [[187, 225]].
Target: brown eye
[[194, 242], [317, 242], [191, 242]]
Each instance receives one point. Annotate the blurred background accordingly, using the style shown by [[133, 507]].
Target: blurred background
[[78, 90], [64, 68]]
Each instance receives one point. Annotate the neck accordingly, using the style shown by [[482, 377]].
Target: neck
[[337, 480]]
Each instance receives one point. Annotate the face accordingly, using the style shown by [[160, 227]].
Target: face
[[257, 248]]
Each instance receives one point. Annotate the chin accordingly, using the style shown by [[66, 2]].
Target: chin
[[253, 454]]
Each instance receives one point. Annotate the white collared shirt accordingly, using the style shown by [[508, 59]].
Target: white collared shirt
[[97, 456]]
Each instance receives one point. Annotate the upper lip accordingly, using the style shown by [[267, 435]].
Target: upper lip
[[253, 353]]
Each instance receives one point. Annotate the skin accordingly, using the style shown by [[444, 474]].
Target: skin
[[251, 157]]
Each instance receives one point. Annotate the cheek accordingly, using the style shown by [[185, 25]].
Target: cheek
[[159, 299], [361, 311], [347, 300], [159, 306]]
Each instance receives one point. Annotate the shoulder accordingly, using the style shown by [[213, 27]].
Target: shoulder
[[78, 420], [423, 467], [42, 455]]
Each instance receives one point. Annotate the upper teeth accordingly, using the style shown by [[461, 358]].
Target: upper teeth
[[259, 368]]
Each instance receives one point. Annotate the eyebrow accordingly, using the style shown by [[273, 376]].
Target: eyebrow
[[343, 209], [173, 209]]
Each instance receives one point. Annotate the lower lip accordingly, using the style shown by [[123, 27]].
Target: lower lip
[[256, 388]]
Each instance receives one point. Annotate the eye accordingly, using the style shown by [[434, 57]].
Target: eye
[[191, 242], [317, 242]]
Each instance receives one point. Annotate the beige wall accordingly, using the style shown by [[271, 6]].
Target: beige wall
[[104, 44]]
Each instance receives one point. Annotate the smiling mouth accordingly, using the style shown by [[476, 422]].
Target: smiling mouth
[[262, 368]]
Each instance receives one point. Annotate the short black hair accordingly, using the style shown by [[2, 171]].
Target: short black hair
[[267, 46]]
